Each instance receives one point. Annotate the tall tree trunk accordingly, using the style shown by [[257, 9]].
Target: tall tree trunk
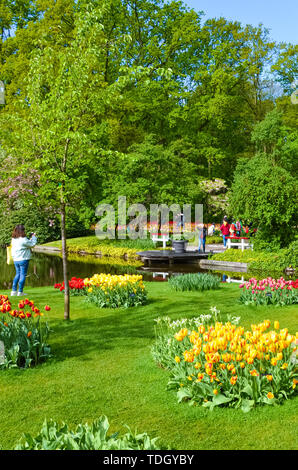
[[64, 263], [63, 235]]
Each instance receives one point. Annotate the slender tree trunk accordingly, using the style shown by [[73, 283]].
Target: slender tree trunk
[[63, 236], [64, 263]]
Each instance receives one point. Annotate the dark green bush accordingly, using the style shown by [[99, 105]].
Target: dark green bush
[[34, 221]]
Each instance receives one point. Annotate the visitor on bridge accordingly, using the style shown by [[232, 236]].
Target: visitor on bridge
[[225, 230], [211, 230], [202, 229]]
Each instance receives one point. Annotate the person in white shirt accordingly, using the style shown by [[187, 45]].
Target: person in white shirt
[[211, 229], [21, 255]]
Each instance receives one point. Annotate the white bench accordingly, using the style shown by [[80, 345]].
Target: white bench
[[244, 242], [230, 279], [164, 238]]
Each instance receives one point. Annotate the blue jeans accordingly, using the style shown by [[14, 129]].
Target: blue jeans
[[202, 242], [224, 237], [21, 273]]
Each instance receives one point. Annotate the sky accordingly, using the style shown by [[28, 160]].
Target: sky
[[279, 16]]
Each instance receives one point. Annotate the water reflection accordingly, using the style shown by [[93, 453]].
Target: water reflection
[[46, 270]]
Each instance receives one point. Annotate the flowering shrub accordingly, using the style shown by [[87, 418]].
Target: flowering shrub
[[106, 290], [269, 291], [224, 365], [23, 334]]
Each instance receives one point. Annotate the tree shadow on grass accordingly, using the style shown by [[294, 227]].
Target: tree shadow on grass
[[93, 330], [106, 330]]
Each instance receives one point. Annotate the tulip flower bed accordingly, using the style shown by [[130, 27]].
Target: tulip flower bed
[[112, 291], [76, 286], [224, 365], [23, 334], [269, 291], [106, 290]]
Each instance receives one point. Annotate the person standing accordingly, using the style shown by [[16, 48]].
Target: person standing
[[211, 230], [238, 228], [233, 229], [21, 255], [202, 236], [225, 230]]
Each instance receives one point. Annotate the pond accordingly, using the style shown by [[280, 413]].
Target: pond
[[46, 269]]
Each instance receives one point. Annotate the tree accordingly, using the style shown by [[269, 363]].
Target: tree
[[51, 125], [265, 194]]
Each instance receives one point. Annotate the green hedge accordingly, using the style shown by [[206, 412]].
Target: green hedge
[[262, 260]]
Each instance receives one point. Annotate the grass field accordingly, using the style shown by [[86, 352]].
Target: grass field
[[102, 365]]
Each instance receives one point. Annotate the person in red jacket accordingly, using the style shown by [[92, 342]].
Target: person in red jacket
[[225, 230]]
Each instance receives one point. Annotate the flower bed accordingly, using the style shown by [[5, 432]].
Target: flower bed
[[106, 290], [224, 365], [269, 291], [23, 334], [76, 286]]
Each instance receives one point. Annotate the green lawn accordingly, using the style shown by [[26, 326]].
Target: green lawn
[[102, 365]]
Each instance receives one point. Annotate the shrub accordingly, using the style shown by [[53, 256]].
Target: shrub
[[265, 194], [85, 437], [261, 261], [215, 239], [34, 221], [224, 365], [194, 282], [23, 334]]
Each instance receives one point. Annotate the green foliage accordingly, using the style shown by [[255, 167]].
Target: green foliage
[[194, 282], [34, 221], [215, 239], [113, 248], [266, 195], [285, 65], [262, 261], [55, 436], [148, 99]]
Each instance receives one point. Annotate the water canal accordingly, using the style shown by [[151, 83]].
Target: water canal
[[46, 269]]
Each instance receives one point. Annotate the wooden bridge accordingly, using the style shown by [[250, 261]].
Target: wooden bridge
[[170, 257]]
